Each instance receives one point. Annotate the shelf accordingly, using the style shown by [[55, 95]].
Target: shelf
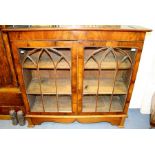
[[108, 64], [106, 86], [89, 104], [48, 86], [50, 104], [46, 64], [64, 87]]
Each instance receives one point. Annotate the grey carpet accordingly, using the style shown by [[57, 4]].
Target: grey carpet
[[135, 120]]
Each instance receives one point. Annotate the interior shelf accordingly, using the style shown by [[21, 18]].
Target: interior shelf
[[50, 104], [108, 64], [106, 86], [89, 104], [90, 87], [46, 64], [93, 59], [48, 86]]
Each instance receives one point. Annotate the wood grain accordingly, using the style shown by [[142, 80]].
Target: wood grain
[[79, 91], [9, 58], [10, 99], [103, 104], [5, 109], [5, 72], [5, 117], [106, 86], [48, 87], [127, 28], [77, 35], [50, 104]]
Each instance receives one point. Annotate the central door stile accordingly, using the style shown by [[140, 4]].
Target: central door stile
[[80, 67], [74, 77]]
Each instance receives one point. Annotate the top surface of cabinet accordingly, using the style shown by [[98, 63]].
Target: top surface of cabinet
[[75, 27], [75, 33]]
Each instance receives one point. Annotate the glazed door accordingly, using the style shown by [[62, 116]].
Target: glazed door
[[49, 76], [106, 75]]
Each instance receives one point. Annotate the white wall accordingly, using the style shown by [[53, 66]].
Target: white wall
[[145, 81]]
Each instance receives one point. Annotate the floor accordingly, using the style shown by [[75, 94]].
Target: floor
[[135, 120]]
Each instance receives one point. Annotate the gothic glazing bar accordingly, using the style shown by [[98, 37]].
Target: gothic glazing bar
[[105, 51], [50, 54]]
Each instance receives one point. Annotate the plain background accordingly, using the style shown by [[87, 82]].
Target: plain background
[[92, 12]]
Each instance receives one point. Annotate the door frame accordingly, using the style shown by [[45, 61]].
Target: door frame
[[126, 44], [15, 45]]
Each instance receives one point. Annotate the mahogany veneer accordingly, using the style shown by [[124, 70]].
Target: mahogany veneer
[[69, 73]]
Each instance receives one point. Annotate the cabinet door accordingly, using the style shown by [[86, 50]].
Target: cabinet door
[[49, 78], [106, 75]]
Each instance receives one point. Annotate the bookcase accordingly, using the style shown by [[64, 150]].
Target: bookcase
[[80, 73]]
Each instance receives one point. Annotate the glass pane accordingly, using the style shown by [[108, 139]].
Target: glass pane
[[103, 103], [47, 78], [107, 73]]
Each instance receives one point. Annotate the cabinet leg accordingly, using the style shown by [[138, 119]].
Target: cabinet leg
[[121, 125], [30, 124]]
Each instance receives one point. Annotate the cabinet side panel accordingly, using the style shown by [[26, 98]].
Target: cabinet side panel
[[133, 78]]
